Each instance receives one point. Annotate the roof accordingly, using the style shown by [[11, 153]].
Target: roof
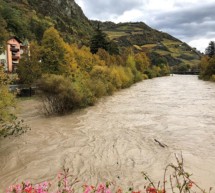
[[14, 37]]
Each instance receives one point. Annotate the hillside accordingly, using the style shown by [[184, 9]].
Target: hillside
[[156, 43], [30, 18]]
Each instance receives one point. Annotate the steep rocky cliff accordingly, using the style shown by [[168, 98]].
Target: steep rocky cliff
[[29, 18]]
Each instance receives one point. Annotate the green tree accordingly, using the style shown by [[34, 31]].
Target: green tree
[[113, 48], [3, 34], [16, 22], [210, 70], [99, 40], [29, 69], [210, 50]]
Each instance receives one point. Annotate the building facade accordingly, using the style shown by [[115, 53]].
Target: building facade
[[14, 51]]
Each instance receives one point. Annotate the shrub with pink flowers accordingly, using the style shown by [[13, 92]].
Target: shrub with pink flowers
[[177, 181], [27, 187]]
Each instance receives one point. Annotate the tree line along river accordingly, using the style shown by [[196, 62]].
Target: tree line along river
[[115, 139]]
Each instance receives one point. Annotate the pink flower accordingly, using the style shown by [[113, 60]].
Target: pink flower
[[17, 188], [151, 190], [108, 190], [119, 190], [59, 175], [28, 189], [88, 189], [100, 188]]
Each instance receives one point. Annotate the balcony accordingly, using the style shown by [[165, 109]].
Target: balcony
[[15, 62], [14, 49], [15, 57]]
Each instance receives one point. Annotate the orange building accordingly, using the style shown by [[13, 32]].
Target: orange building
[[14, 51]]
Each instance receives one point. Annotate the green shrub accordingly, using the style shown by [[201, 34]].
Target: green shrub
[[82, 84], [126, 76], [213, 78], [98, 88], [145, 76], [58, 94], [150, 73], [102, 75], [115, 77]]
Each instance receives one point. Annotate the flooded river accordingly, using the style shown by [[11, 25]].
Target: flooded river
[[114, 140]]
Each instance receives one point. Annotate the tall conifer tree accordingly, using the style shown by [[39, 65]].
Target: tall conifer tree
[[210, 50], [99, 40]]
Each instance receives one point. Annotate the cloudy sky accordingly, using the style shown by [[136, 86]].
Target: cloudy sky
[[192, 21]]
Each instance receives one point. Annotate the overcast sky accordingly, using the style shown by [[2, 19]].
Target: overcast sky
[[192, 21]]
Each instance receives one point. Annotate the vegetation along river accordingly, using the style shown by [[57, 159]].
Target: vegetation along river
[[114, 140]]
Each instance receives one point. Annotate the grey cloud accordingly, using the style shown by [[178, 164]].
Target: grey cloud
[[104, 8], [187, 23]]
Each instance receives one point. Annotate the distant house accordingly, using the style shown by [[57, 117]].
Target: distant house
[[15, 48], [13, 53]]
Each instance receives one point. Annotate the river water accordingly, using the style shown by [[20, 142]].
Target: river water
[[114, 140]]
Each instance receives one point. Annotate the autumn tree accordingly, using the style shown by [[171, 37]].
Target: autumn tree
[[7, 99], [203, 65], [105, 56], [132, 65], [85, 60], [207, 64], [125, 52], [142, 62], [53, 53], [210, 70]]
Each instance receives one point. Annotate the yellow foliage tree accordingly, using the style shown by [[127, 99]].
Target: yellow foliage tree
[[54, 53], [85, 59], [142, 62], [7, 99], [203, 65]]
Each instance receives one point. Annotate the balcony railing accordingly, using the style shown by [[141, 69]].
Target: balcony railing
[[15, 57], [14, 49], [15, 62]]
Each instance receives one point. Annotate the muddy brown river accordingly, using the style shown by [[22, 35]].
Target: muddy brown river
[[114, 140]]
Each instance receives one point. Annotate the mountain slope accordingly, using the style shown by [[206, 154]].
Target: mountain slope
[[30, 18], [158, 44]]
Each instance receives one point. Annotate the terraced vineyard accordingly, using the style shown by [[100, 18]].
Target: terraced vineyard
[[156, 43]]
